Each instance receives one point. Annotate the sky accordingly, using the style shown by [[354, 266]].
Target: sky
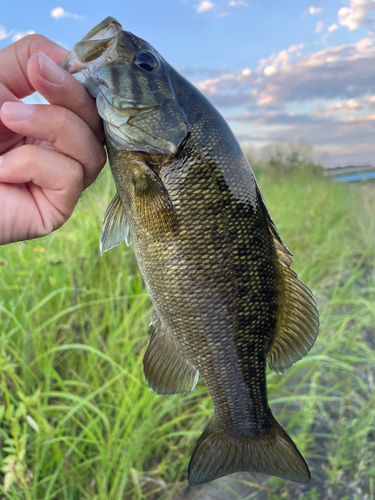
[[291, 71]]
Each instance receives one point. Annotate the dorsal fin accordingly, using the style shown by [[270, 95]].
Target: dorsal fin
[[297, 323]]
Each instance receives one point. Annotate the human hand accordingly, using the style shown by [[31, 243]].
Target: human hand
[[49, 154]]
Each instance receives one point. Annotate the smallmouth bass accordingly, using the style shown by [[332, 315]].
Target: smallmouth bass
[[218, 274]]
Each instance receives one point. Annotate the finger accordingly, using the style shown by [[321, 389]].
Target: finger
[[63, 129], [15, 57], [43, 189], [7, 137], [61, 88]]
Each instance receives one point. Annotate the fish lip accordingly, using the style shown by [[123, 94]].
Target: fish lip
[[108, 21]]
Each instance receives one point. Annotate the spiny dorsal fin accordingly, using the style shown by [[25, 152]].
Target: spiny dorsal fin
[[165, 366], [297, 324], [115, 226], [278, 242]]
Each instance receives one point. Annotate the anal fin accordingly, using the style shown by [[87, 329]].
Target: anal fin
[[166, 368]]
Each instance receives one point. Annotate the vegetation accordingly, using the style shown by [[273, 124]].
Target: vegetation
[[77, 420]]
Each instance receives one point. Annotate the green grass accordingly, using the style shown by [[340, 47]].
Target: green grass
[[77, 420]]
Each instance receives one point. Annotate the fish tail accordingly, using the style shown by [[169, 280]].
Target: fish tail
[[219, 453]]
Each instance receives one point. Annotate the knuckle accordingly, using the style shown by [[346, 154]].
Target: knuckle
[[77, 173], [64, 124], [82, 98], [94, 164], [102, 157], [46, 227], [25, 157], [39, 43], [34, 38], [30, 43], [31, 156]]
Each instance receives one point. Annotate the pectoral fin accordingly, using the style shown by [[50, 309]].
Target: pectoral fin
[[115, 226], [154, 208], [165, 366]]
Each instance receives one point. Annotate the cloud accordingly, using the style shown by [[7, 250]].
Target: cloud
[[4, 33], [238, 3], [281, 60], [204, 5], [219, 8], [315, 11], [345, 141], [212, 86], [332, 28], [238, 84], [17, 36], [59, 13], [340, 72], [357, 15], [326, 98], [193, 72], [325, 32], [284, 103], [319, 27], [351, 105], [344, 71]]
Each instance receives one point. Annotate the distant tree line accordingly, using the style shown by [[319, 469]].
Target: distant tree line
[[281, 158]]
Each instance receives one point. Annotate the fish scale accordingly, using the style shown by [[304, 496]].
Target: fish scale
[[217, 272], [245, 335]]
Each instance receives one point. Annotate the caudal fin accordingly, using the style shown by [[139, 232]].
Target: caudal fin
[[219, 453]]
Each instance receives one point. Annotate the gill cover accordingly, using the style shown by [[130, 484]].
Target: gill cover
[[131, 82]]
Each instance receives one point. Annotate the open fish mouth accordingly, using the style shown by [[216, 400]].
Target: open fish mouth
[[87, 62], [96, 49], [133, 92]]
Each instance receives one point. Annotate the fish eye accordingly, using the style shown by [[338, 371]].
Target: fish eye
[[146, 61]]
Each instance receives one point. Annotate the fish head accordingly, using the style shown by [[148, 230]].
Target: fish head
[[132, 84]]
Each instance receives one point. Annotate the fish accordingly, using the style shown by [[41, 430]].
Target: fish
[[218, 274]]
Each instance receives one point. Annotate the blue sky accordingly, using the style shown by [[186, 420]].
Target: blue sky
[[286, 71]]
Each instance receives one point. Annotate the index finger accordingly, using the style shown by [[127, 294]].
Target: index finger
[[60, 88], [15, 57]]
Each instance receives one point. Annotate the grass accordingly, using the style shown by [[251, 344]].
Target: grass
[[77, 420]]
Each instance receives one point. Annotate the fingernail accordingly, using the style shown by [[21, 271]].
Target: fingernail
[[49, 70], [15, 111], [1, 161]]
